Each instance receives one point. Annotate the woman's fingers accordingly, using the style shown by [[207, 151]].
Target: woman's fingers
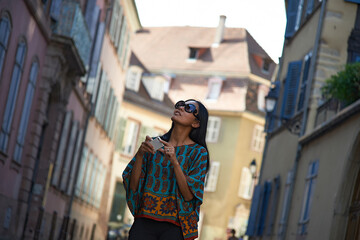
[[148, 138]]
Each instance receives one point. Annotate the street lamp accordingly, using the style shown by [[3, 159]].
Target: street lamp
[[270, 103], [252, 168]]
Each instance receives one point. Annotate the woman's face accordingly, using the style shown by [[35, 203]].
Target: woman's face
[[185, 113]]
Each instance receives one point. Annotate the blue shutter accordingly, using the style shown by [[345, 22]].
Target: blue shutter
[[291, 17], [304, 84], [91, 16], [55, 9], [274, 204], [291, 89], [353, 1], [97, 49], [309, 6], [250, 231], [264, 207]]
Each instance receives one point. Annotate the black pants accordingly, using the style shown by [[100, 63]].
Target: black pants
[[147, 229]]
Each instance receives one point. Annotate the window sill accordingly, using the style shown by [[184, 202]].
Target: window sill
[[15, 166]]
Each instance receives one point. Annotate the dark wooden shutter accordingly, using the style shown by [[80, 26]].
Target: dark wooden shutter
[[250, 231], [264, 207], [291, 18], [304, 84], [291, 89]]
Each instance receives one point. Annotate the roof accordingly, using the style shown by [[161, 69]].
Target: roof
[[167, 49]]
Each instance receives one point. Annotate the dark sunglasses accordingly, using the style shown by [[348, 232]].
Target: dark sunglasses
[[188, 107]]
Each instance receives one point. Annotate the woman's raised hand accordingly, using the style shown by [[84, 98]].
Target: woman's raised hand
[[168, 151], [146, 146]]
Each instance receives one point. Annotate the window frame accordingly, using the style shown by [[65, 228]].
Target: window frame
[[258, 138], [212, 130], [212, 177], [211, 83]]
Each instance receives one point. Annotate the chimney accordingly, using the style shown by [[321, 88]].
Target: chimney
[[219, 32]]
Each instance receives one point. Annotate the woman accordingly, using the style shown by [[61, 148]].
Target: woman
[[164, 188]]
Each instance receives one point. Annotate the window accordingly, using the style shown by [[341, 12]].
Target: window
[[258, 139], [214, 87], [291, 89], [307, 61], [262, 92], [308, 196], [133, 78], [61, 148], [81, 173], [69, 156], [131, 133], [12, 95], [5, 29], [212, 177], [155, 86], [266, 65], [246, 184], [26, 111], [194, 53], [74, 162], [286, 204], [213, 129], [291, 15]]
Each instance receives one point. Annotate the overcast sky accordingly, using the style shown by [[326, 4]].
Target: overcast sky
[[264, 19]]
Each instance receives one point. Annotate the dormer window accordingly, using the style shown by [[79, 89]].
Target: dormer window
[[155, 86], [133, 78], [215, 85], [194, 54], [266, 65]]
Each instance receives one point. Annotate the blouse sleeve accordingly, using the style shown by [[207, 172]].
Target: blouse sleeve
[[133, 197], [196, 175]]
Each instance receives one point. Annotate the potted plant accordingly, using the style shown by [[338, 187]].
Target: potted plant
[[345, 85]]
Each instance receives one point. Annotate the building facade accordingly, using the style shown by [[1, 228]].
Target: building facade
[[62, 73], [309, 182], [230, 73]]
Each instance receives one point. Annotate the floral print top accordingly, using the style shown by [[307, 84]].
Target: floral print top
[[158, 196]]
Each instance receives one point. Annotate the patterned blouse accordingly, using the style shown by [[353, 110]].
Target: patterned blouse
[[158, 196]]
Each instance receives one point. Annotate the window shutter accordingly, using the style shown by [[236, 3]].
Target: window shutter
[[304, 83], [101, 185], [55, 9], [92, 179], [353, 1], [97, 49], [212, 178], [291, 18], [80, 178], [91, 16], [89, 168], [250, 231], [74, 162], [264, 208], [245, 183], [309, 6], [101, 96], [275, 202], [213, 129], [61, 148], [120, 134], [69, 156], [291, 89]]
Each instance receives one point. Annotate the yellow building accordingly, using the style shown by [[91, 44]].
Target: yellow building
[[317, 161], [230, 73]]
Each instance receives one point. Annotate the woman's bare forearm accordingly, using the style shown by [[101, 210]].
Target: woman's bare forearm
[[136, 172]]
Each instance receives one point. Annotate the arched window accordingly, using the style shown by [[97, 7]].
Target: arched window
[[12, 95], [5, 29], [26, 110]]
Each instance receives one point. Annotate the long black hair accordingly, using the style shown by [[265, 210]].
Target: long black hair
[[198, 135]]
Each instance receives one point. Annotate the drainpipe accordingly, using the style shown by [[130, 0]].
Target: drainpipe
[[305, 114]]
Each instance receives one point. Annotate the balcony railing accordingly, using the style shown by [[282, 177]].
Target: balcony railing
[[71, 23], [327, 111]]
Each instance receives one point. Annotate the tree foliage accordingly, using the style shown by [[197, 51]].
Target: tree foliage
[[345, 85]]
